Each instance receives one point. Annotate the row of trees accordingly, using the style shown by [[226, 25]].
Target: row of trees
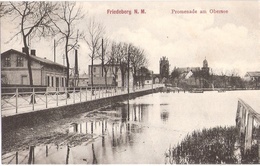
[[37, 19], [204, 79]]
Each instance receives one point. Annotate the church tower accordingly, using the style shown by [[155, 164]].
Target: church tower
[[164, 68], [205, 73], [205, 67]]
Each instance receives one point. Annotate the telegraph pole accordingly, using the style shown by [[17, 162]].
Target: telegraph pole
[[54, 51], [128, 61], [102, 58]]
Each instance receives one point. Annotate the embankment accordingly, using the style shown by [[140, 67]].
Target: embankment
[[53, 114]]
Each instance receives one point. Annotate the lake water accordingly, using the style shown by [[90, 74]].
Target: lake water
[[141, 130]]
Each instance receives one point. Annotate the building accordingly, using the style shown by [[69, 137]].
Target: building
[[253, 79], [252, 76], [112, 76], [164, 68], [194, 76], [81, 81], [44, 72]]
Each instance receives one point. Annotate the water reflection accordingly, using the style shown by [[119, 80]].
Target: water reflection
[[135, 133]]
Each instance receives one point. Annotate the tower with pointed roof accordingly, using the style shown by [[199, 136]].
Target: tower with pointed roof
[[205, 73], [164, 68]]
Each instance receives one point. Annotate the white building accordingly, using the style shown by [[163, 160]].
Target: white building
[[14, 70]]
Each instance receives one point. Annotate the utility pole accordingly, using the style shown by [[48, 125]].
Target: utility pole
[[54, 51], [76, 72], [128, 61], [102, 58]]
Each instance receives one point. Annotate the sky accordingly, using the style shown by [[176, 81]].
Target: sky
[[230, 42]]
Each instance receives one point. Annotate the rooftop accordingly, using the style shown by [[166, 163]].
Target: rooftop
[[254, 73], [36, 58]]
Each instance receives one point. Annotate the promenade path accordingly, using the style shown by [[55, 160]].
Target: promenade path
[[12, 104]]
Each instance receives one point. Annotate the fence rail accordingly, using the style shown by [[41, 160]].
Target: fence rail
[[247, 122], [16, 100]]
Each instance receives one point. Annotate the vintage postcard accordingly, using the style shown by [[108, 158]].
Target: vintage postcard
[[130, 82]]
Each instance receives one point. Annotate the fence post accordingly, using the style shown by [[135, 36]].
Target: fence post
[[80, 94], [68, 153], [16, 100], [46, 150], [74, 95], [16, 157], [33, 97]]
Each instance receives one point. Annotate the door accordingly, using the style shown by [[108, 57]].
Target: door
[[24, 80]]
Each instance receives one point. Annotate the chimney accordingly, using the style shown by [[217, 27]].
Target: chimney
[[33, 52], [76, 62], [24, 50]]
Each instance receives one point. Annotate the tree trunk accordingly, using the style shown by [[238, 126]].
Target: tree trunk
[[105, 70], [92, 63], [68, 67], [29, 65], [122, 76], [106, 80]]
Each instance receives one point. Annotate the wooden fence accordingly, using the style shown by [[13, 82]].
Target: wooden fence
[[247, 122]]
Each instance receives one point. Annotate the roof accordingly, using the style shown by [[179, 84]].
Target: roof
[[36, 58], [187, 69], [99, 65], [254, 74]]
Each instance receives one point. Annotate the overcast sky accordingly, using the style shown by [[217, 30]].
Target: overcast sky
[[228, 41]]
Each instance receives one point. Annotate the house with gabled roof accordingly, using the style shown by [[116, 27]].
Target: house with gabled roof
[[253, 77], [14, 70]]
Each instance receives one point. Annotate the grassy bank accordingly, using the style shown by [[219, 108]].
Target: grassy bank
[[210, 146]]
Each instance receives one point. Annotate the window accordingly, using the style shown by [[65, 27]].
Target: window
[[52, 82], [48, 80], [24, 80], [62, 82], [7, 62], [19, 61], [94, 69]]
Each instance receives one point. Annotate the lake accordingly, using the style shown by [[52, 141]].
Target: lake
[[138, 131]]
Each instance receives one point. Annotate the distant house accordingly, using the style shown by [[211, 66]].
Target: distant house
[[113, 76], [81, 81], [252, 76], [45, 72]]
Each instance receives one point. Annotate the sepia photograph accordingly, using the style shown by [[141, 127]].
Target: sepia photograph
[[130, 82]]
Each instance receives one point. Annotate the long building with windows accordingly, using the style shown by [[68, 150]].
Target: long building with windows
[[14, 70], [113, 76]]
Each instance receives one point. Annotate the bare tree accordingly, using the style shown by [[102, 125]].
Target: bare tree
[[4, 8], [104, 55], [122, 58], [93, 38], [138, 60], [114, 53], [34, 20], [65, 20]]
